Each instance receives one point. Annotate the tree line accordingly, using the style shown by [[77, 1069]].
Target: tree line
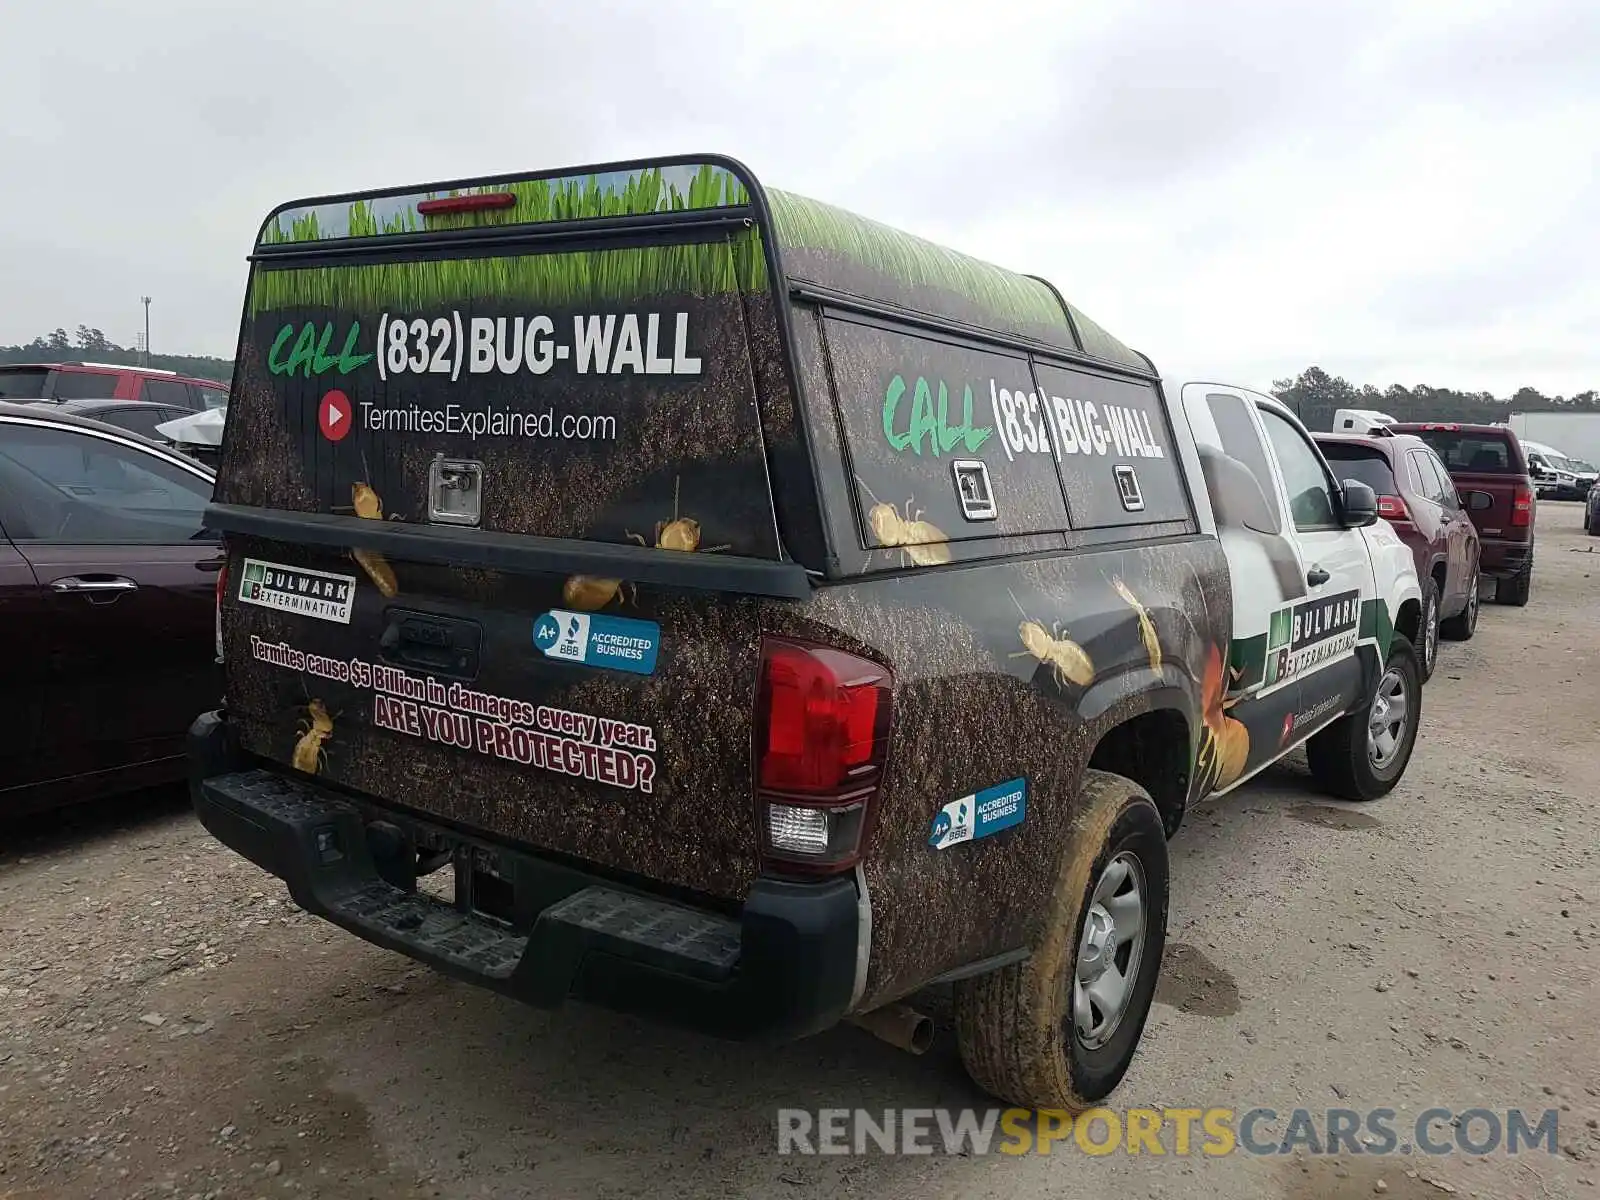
[[1315, 396], [93, 345]]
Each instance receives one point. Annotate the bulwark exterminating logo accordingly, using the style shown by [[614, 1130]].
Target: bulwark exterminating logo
[[1311, 633], [299, 590]]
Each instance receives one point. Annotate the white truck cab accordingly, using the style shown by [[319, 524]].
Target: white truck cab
[[1324, 597]]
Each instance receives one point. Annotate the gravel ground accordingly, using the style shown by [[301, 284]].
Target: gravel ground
[[171, 1026]]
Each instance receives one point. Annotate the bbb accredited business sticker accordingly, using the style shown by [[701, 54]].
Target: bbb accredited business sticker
[[614, 643]]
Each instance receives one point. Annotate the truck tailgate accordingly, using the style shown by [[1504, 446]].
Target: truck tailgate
[[458, 699]]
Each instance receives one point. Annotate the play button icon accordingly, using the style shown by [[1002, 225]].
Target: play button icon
[[334, 417]]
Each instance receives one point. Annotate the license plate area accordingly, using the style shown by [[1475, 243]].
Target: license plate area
[[474, 879]]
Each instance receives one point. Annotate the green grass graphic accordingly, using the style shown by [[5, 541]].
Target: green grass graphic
[[1011, 300], [812, 225], [712, 268], [539, 201]]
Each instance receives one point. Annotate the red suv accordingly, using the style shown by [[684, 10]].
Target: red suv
[[106, 381], [1490, 470], [1417, 497]]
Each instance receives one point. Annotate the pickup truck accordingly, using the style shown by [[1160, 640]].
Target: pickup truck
[[755, 614], [1489, 467]]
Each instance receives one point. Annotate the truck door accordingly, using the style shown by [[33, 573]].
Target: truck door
[[1297, 575], [1315, 639], [1264, 570]]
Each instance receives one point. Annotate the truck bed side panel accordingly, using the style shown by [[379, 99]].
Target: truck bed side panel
[[974, 710]]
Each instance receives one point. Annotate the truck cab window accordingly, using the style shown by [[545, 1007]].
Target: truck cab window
[[1242, 444], [1304, 477]]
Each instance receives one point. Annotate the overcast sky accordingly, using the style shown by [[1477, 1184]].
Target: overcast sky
[[1398, 192]]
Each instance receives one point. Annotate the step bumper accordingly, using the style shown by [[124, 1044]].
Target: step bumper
[[784, 967]]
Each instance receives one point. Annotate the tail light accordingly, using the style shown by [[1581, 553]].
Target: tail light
[[1393, 508], [1522, 506], [821, 741], [222, 587]]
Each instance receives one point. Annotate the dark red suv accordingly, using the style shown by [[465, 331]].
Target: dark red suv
[[1417, 497], [107, 381]]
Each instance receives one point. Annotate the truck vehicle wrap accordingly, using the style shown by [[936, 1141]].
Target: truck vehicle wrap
[[763, 612]]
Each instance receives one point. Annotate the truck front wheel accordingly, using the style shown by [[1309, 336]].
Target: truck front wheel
[[1362, 755], [1059, 1029]]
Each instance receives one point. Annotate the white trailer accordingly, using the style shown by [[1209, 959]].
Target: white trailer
[[1575, 434]]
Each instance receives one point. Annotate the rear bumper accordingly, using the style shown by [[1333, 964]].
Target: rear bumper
[[783, 969], [1501, 559]]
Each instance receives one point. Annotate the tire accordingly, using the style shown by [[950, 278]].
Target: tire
[[1016, 1028], [1591, 524], [1464, 624], [1341, 757], [1428, 630], [1513, 591]]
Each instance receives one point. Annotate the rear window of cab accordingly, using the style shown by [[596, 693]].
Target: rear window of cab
[[1488, 453]]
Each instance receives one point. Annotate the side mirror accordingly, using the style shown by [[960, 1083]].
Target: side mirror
[[1476, 501], [1359, 503]]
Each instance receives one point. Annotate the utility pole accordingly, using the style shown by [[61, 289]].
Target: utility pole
[[146, 300]]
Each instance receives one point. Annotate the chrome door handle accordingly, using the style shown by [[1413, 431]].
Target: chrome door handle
[[108, 583]]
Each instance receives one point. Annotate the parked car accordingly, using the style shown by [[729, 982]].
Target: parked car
[[809, 747], [98, 381], [134, 416], [199, 434], [1417, 496], [1490, 470], [107, 598], [1591, 512], [1555, 476]]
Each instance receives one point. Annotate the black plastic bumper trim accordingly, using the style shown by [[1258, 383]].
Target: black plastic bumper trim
[[783, 969]]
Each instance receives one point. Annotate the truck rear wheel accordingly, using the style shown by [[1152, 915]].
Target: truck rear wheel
[[1060, 1029], [1362, 755], [1514, 591]]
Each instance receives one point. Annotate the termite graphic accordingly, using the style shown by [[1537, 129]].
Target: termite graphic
[[1147, 627], [589, 593], [680, 533], [1069, 662], [922, 542], [365, 503], [315, 729]]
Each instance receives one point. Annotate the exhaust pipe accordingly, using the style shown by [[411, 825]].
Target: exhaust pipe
[[902, 1027]]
